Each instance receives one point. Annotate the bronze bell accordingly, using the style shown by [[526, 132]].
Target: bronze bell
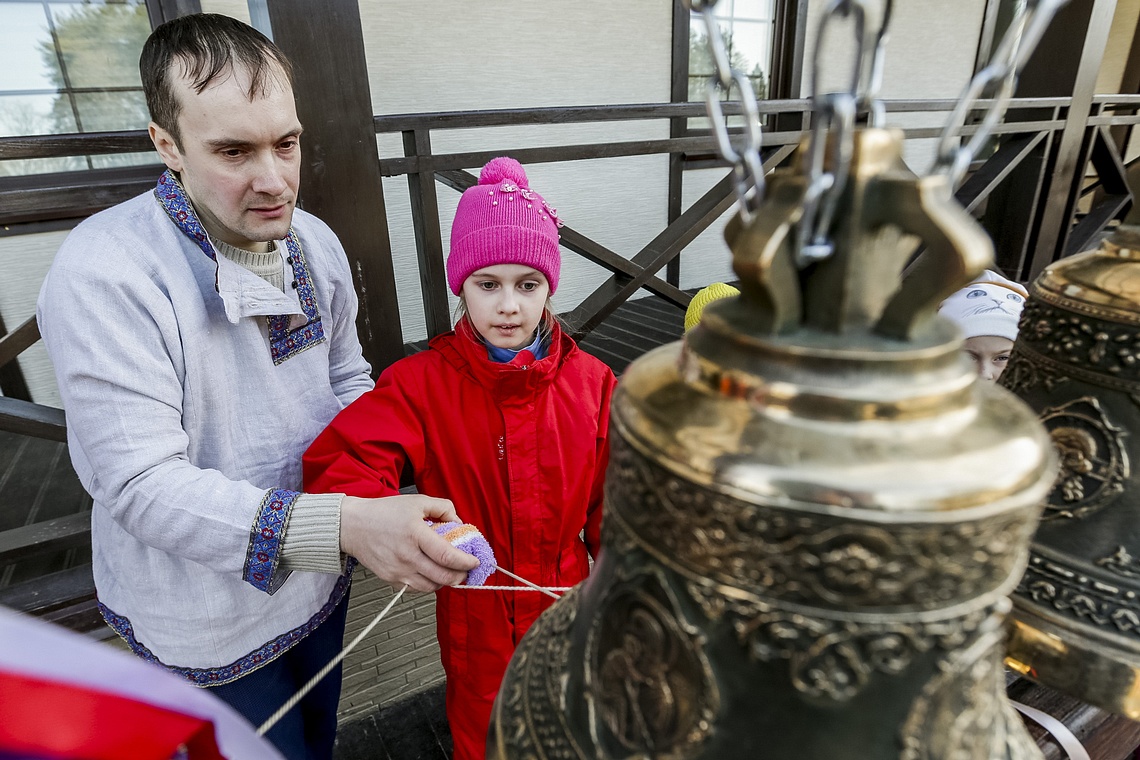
[[1076, 619], [814, 513]]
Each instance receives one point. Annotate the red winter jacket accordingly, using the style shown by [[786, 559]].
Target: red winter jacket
[[521, 450]]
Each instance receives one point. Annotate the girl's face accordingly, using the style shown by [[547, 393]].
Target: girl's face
[[990, 354], [505, 303]]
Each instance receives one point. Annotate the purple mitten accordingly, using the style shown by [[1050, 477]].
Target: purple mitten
[[468, 538]]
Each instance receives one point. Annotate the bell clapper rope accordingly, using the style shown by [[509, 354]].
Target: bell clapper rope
[[293, 700], [296, 698]]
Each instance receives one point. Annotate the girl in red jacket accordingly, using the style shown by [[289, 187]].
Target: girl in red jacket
[[505, 417]]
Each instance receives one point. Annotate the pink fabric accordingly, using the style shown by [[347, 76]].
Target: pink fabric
[[502, 221]]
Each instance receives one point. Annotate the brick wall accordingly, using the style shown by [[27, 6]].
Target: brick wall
[[398, 658]]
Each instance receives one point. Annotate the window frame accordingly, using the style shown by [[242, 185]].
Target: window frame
[[785, 63], [60, 200]]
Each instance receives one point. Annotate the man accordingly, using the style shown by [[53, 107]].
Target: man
[[202, 335]]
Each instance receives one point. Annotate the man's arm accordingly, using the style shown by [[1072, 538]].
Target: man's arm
[[110, 335], [349, 373]]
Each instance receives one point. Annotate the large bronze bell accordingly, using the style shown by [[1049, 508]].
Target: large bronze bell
[[814, 513], [1076, 620]]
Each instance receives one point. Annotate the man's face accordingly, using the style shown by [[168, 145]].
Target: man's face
[[239, 160]]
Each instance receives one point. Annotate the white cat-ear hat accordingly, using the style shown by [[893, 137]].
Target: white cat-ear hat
[[991, 305]]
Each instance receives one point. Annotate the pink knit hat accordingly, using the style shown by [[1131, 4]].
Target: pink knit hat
[[502, 221]]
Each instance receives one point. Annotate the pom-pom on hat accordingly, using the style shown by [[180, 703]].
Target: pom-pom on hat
[[502, 221], [991, 305], [703, 298]]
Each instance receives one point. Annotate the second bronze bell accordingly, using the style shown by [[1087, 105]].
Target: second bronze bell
[[1076, 622]]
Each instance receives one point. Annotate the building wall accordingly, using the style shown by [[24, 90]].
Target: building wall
[[928, 55], [1125, 22], [25, 260], [1125, 28]]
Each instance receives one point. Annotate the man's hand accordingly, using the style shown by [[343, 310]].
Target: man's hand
[[389, 536]]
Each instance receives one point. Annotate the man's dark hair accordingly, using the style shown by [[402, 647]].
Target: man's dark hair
[[206, 46]]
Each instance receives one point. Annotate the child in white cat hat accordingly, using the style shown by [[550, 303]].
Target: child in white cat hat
[[987, 310]]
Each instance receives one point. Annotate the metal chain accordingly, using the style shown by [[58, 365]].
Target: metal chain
[[834, 120], [869, 95], [746, 164], [996, 81]]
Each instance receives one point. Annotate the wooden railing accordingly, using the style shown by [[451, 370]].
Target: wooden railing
[[1028, 133], [1018, 138]]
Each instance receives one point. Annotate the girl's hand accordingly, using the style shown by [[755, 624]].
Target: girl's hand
[[389, 536]]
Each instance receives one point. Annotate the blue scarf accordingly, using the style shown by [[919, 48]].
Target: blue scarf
[[507, 355]]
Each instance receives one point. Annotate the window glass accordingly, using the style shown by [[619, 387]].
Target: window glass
[[753, 10], [747, 28], [71, 67], [24, 32]]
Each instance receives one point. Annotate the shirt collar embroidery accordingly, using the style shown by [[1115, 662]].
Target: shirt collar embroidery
[[284, 343]]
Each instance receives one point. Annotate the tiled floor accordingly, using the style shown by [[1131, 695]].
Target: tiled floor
[[412, 729]]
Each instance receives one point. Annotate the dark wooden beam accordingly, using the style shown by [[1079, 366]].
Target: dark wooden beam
[[615, 291], [35, 228], [790, 32], [395, 167], [13, 384], [37, 539], [75, 144], [35, 420], [340, 175], [598, 254], [51, 593], [1104, 736], [506, 117], [72, 194], [429, 240], [1069, 54], [996, 168], [678, 126], [161, 11], [14, 343]]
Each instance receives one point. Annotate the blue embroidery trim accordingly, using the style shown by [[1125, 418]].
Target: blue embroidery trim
[[264, 552], [252, 661], [283, 343], [174, 200]]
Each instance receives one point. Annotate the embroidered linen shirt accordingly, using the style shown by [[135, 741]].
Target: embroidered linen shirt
[[192, 387]]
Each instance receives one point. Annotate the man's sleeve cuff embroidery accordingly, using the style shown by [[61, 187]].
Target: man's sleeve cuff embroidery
[[264, 553]]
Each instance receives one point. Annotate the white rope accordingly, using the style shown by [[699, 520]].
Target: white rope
[[327, 668], [534, 586], [1057, 729], [542, 589], [285, 708], [324, 671]]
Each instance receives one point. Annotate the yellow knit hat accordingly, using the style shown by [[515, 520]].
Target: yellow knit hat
[[703, 298]]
